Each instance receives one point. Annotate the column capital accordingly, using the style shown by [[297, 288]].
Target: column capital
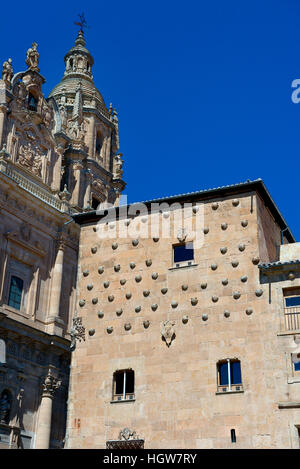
[[49, 385]]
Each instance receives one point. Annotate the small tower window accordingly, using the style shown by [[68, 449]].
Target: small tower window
[[229, 376], [233, 435], [15, 292], [32, 102], [123, 385], [98, 143]]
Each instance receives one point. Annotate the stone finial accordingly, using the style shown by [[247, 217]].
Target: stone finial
[[32, 58], [50, 385], [77, 332], [7, 71]]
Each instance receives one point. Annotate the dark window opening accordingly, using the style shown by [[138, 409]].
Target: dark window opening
[[123, 385], [32, 103], [98, 143], [183, 252], [95, 203], [5, 406], [15, 292], [292, 301], [233, 435]]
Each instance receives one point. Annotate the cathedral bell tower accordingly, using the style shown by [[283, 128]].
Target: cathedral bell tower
[[88, 131]]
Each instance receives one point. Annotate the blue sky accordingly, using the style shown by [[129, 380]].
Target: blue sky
[[202, 89]]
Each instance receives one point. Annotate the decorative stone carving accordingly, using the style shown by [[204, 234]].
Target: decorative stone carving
[[7, 71], [138, 278], [168, 332], [106, 284], [117, 268], [244, 278], [259, 292], [50, 385], [155, 240], [224, 226], [185, 319], [148, 262], [119, 312], [85, 273], [249, 311], [146, 293], [291, 276], [91, 332], [236, 295], [255, 260], [235, 263], [127, 435], [205, 317], [146, 324], [215, 206], [94, 301], [206, 230], [195, 209], [184, 287], [214, 299], [235, 202], [109, 329], [135, 242], [114, 246], [242, 247], [164, 290], [90, 286], [174, 304], [117, 166], [154, 307], [30, 157], [244, 223], [110, 298], [81, 303], [182, 235], [225, 281], [128, 296], [214, 266], [100, 270], [123, 281], [132, 265], [194, 301], [94, 250], [226, 313], [100, 314], [154, 275], [223, 250], [127, 326], [203, 285], [138, 309], [32, 58]]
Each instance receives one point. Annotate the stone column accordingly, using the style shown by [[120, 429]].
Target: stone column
[[77, 167], [91, 137], [88, 182], [3, 111], [56, 285], [49, 386]]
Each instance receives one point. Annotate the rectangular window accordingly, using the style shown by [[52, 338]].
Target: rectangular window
[[15, 292], [291, 308], [123, 385], [183, 253], [292, 301], [229, 376]]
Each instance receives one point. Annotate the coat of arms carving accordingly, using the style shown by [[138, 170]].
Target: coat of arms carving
[[168, 332]]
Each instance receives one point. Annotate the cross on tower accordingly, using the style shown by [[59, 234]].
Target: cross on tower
[[82, 23]]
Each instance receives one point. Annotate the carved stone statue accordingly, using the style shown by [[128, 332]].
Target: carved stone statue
[[7, 71], [168, 332], [118, 165], [32, 58], [4, 408], [63, 116], [29, 158]]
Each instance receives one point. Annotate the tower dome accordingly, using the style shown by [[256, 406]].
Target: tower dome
[[78, 71]]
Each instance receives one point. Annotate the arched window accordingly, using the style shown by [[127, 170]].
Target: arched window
[[123, 385], [5, 406], [32, 102]]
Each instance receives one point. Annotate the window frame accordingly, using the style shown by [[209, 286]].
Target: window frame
[[230, 387], [124, 396], [187, 262]]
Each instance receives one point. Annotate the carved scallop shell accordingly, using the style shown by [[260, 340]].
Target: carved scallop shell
[[226, 313], [148, 262], [135, 242], [154, 275], [100, 314], [194, 301], [235, 202], [215, 206], [101, 269], [146, 293]]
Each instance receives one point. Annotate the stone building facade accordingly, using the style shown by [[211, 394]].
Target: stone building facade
[[179, 316], [58, 156], [188, 349]]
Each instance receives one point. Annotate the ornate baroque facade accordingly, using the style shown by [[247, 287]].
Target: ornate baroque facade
[[184, 340], [58, 156]]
